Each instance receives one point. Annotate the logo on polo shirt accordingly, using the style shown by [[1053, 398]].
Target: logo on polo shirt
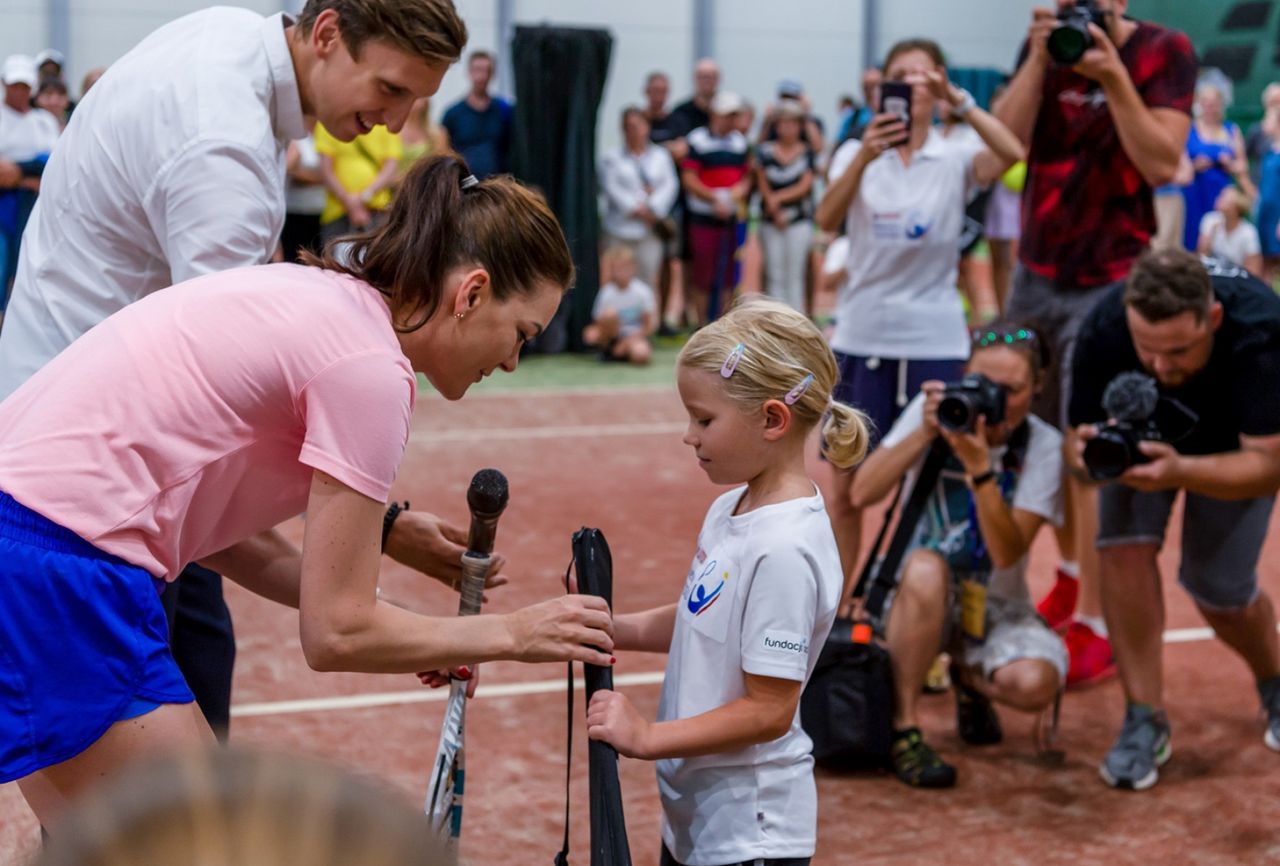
[[917, 224], [702, 594], [786, 642]]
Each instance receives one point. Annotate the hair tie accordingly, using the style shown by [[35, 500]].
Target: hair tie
[[794, 395], [731, 363], [469, 181]]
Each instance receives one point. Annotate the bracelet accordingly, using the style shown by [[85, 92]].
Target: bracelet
[[967, 103], [393, 511], [977, 481]]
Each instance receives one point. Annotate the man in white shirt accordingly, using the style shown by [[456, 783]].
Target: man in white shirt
[[27, 136], [174, 167]]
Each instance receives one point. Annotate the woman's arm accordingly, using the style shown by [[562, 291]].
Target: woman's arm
[[265, 564], [384, 179], [796, 191], [647, 631], [764, 714], [344, 626], [889, 463]]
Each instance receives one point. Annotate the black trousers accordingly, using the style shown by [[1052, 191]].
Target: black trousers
[[203, 642]]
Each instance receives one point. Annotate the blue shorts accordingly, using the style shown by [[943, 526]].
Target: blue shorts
[[83, 643], [882, 387]]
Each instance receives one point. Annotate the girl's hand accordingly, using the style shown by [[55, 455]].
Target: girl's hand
[[437, 679], [612, 719], [569, 628]]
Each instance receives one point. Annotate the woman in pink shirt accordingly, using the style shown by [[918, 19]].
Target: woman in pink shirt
[[187, 425]]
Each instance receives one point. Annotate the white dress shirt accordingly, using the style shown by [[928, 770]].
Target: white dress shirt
[[172, 167], [629, 180]]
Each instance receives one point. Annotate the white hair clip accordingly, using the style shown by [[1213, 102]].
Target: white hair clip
[[469, 181], [794, 395], [731, 363]]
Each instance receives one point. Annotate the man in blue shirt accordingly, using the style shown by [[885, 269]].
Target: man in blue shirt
[[479, 125]]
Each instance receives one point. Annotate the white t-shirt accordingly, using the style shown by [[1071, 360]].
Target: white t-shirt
[[1039, 491], [904, 233], [1233, 246], [759, 599], [172, 167], [630, 303], [26, 135]]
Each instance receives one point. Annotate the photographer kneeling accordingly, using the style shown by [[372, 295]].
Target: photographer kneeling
[[963, 587], [1206, 419]]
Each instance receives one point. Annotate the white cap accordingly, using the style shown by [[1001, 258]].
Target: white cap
[[19, 69], [50, 54], [726, 102]]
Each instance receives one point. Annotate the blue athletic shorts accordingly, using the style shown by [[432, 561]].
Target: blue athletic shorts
[[882, 387], [83, 643]]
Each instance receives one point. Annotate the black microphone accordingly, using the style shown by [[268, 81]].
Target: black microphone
[[486, 497], [1131, 398]]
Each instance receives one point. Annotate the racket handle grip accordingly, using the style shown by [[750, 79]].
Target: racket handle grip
[[471, 592]]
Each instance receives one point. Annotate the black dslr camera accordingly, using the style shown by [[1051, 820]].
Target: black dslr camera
[[963, 401], [1139, 414], [1071, 38]]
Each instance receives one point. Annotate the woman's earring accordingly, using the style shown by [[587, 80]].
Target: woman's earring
[[458, 315]]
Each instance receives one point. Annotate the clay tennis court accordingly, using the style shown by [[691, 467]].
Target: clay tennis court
[[612, 457]]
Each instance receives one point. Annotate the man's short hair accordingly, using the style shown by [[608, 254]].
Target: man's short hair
[[1167, 283], [430, 29], [654, 76], [481, 54]]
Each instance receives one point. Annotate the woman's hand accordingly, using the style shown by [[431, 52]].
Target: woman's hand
[[569, 628], [612, 719], [437, 679], [933, 390], [971, 449], [884, 131]]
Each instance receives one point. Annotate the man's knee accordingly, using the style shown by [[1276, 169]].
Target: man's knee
[[1029, 684]]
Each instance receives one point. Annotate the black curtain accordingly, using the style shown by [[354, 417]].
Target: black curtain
[[560, 74]]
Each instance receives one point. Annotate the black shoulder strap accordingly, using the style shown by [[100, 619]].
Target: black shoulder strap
[[562, 858], [886, 573]]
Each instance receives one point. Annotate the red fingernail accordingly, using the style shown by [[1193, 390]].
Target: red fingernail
[[612, 660], [464, 672]]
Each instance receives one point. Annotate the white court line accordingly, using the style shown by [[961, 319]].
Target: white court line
[[552, 391], [428, 438], [507, 690]]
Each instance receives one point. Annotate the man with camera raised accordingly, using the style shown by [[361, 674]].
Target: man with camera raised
[[1103, 104], [963, 587], [1204, 419]]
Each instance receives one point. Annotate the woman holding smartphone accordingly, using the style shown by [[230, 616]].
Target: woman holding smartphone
[[900, 194]]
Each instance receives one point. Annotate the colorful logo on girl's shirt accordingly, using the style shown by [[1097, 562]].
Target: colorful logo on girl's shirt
[[701, 595]]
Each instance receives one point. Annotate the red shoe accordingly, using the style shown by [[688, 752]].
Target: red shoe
[[1059, 604], [1092, 660]]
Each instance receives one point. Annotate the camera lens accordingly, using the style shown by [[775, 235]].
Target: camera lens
[[1108, 455], [1068, 43], [956, 413]]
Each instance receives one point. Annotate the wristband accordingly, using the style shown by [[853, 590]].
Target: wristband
[[393, 511], [978, 480], [967, 103]]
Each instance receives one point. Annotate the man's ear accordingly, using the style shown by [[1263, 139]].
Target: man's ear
[[1215, 316], [326, 33], [777, 420]]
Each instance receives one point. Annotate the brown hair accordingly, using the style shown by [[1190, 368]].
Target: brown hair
[[434, 225], [1167, 283], [928, 46], [630, 110], [430, 29], [220, 807], [1015, 336], [780, 353]]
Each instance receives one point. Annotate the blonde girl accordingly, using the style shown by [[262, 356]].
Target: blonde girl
[[734, 770]]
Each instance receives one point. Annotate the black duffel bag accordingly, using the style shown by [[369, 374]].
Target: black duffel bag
[[847, 707]]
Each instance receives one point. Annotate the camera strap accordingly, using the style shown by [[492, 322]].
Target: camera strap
[[886, 570]]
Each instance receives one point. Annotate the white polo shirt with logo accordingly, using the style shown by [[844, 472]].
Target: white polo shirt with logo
[[172, 167], [759, 599], [900, 300]]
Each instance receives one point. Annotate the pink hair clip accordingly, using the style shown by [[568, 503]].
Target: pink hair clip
[[794, 395], [731, 363]]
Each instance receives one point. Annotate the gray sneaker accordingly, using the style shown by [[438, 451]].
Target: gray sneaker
[[1269, 691], [1141, 749]]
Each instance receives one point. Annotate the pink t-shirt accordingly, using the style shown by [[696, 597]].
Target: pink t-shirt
[[194, 418]]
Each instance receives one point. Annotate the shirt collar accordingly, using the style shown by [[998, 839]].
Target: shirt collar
[[286, 102], [934, 144]]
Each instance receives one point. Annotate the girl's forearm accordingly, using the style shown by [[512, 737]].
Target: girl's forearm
[[736, 725], [646, 631]]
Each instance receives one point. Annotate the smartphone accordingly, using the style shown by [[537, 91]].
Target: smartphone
[[895, 98]]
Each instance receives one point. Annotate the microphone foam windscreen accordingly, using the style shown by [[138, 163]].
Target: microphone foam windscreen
[[1131, 397]]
